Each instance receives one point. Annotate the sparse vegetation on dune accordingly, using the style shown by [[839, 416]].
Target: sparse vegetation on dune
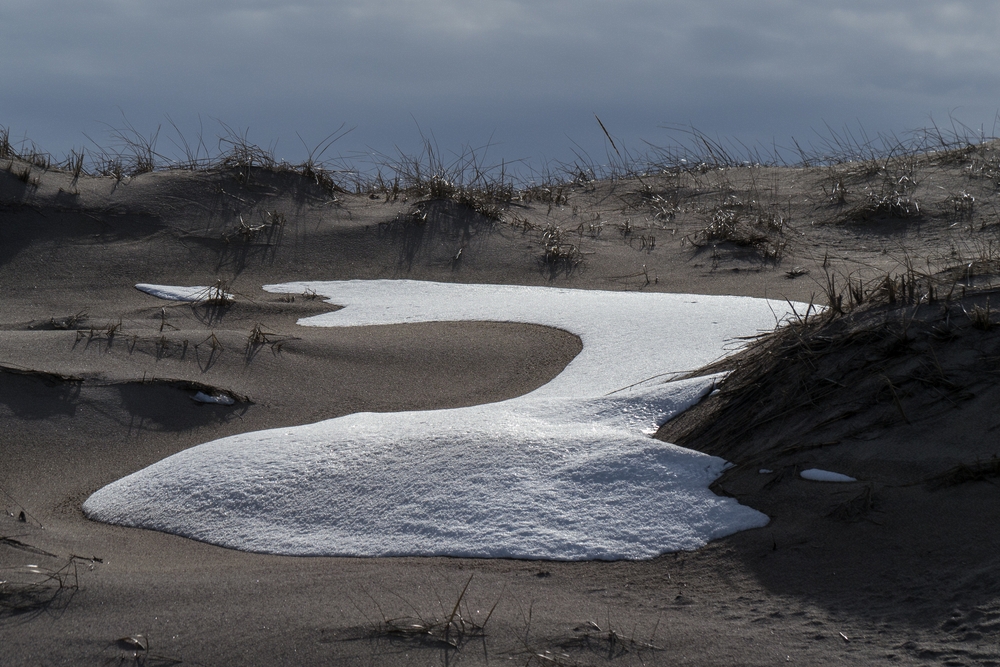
[[846, 153], [732, 204], [466, 179], [724, 200], [903, 349]]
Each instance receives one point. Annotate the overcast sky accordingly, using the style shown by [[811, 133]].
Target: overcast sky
[[526, 75]]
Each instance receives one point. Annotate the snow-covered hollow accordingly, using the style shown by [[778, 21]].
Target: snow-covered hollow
[[568, 471]]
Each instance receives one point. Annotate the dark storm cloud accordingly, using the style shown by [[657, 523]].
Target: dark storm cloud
[[534, 72]]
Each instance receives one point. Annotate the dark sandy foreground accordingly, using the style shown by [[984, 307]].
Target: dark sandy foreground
[[97, 380]]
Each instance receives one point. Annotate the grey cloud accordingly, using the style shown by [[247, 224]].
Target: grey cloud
[[534, 68]]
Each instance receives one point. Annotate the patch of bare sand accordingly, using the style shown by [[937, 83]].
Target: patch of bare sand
[[895, 567]]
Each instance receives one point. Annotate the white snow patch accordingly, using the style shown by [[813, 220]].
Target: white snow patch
[[565, 472], [176, 293], [221, 399], [817, 475]]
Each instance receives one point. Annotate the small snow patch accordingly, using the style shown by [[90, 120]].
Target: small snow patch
[[221, 399], [817, 475], [193, 294]]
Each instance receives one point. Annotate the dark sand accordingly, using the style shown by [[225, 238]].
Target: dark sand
[[97, 381]]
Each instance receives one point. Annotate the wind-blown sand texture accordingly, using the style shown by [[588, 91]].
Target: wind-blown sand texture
[[898, 392]]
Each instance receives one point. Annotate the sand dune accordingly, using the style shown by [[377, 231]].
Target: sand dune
[[898, 391]]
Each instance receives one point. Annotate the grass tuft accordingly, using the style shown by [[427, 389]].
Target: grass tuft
[[557, 252], [218, 294], [895, 205], [28, 589], [269, 229], [745, 223], [450, 630], [466, 179], [259, 336], [981, 471], [980, 318]]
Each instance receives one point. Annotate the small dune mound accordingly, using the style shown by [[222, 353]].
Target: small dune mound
[[848, 381]]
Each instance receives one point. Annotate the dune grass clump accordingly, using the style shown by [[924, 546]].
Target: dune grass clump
[[745, 225], [217, 294], [241, 156], [877, 354], [550, 193], [28, 153], [269, 229], [557, 251], [73, 164], [260, 336], [466, 180], [608, 641], [745, 216], [108, 332], [449, 630], [980, 471], [131, 153], [896, 204], [982, 163], [980, 317], [603, 641], [65, 323], [6, 150], [664, 205], [24, 175]]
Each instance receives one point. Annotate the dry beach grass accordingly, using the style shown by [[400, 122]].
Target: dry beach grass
[[891, 379]]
